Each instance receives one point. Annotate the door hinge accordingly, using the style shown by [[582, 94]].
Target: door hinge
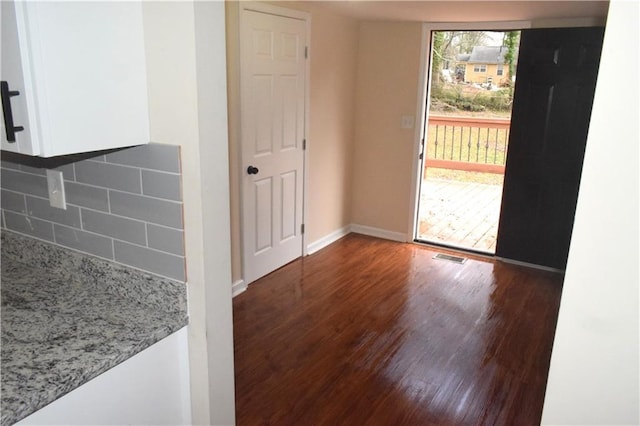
[[306, 52], [302, 228], [304, 144]]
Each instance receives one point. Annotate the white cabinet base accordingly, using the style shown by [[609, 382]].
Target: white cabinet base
[[150, 388]]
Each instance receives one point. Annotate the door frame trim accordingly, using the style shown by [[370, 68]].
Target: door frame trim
[[287, 13], [423, 99], [424, 89]]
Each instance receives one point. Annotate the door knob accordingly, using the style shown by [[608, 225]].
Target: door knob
[[252, 170]]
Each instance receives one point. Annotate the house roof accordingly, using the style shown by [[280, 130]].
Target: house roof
[[485, 55]]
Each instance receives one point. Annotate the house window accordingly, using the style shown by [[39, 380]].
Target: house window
[[479, 68], [500, 70]]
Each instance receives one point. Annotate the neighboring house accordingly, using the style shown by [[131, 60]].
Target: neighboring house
[[485, 64]]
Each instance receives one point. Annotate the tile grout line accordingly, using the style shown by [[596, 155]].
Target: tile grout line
[[112, 239], [106, 188], [95, 255]]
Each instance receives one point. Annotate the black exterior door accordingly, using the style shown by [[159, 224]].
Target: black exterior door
[[556, 78]]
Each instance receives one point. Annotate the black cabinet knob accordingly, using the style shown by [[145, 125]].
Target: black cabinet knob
[[252, 170]]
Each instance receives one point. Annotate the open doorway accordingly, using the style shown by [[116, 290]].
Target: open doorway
[[472, 78]]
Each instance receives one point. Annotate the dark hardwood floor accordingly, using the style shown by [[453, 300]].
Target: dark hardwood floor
[[374, 332]]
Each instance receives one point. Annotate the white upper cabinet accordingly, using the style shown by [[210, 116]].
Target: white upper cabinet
[[74, 77]]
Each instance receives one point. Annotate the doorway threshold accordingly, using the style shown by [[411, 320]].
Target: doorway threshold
[[485, 254]]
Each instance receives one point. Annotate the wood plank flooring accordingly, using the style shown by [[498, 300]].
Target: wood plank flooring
[[373, 332], [461, 214]]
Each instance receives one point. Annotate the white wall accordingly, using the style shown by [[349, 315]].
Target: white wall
[[211, 70], [152, 387], [186, 69], [593, 377]]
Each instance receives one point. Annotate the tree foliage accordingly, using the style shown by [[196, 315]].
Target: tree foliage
[[466, 40], [436, 58], [511, 42], [447, 45]]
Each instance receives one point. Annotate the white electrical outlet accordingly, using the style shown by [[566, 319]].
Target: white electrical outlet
[[55, 183]]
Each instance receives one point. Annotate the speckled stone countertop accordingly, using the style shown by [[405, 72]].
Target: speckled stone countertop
[[67, 317]]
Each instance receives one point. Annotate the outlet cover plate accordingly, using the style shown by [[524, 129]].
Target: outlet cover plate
[[55, 185]]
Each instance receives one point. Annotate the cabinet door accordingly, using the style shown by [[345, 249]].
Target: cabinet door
[[84, 73], [11, 72]]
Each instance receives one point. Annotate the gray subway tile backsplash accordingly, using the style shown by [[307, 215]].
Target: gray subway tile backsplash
[[29, 225], [117, 227], [40, 208], [155, 157], [33, 170], [161, 185], [67, 170], [87, 196], [13, 201], [9, 165], [140, 257], [108, 176], [165, 239], [23, 182], [125, 206], [83, 241], [161, 212]]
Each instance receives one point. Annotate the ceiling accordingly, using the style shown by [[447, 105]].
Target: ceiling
[[465, 11]]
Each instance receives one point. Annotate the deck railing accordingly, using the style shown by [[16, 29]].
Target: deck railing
[[467, 143]]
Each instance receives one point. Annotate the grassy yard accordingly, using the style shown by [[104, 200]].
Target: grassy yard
[[470, 144]]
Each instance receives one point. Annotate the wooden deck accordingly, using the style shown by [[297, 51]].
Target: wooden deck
[[460, 214]]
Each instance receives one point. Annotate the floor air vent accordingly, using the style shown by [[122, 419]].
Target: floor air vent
[[454, 259]]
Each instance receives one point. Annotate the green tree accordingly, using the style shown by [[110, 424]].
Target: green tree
[[511, 42], [467, 40], [436, 58], [446, 47]]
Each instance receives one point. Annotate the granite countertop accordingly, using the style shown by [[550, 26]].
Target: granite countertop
[[67, 318]]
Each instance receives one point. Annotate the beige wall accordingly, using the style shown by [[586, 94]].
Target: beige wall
[[333, 55], [334, 42], [364, 78], [387, 89], [184, 47], [233, 102]]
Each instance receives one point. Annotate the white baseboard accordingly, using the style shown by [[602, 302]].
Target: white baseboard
[[529, 265], [328, 239], [238, 287], [379, 233]]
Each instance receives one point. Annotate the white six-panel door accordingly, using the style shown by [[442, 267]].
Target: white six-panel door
[[273, 79]]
